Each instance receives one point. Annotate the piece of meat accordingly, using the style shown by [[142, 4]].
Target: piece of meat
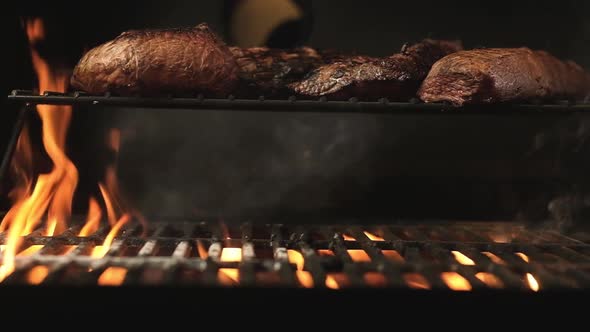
[[396, 77], [266, 71], [502, 75], [146, 62]]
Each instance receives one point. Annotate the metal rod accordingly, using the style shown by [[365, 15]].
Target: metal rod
[[21, 119], [292, 104]]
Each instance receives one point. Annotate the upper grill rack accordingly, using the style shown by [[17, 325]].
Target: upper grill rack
[[353, 105], [502, 255]]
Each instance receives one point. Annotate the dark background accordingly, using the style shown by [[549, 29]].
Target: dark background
[[214, 164]]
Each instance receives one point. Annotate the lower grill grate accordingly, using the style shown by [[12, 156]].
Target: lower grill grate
[[455, 256]]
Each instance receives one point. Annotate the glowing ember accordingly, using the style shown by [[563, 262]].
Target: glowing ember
[[416, 281], [112, 276], [37, 274], [455, 281], [304, 278], [30, 250], [392, 255], [231, 254], [100, 251], [375, 279], [522, 256], [331, 282], [532, 282], [348, 237], [462, 259], [373, 237], [325, 252], [337, 280], [489, 279], [93, 219], [358, 255], [228, 277], [494, 258], [295, 257]]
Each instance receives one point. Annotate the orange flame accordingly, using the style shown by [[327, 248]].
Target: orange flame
[[455, 281], [100, 251], [462, 259], [393, 255], [229, 276], [203, 254], [416, 281], [532, 282], [359, 255], [489, 279], [93, 219], [37, 274], [112, 276], [347, 237], [53, 192], [295, 257], [522, 256], [373, 237]]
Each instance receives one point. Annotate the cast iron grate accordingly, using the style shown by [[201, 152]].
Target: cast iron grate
[[455, 256]]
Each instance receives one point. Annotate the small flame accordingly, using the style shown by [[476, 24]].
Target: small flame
[[416, 281], [373, 237], [375, 279], [295, 257], [112, 276], [347, 237], [455, 281], [30, 250], [533, 283], [522, 256], [93, 219], [393, 255], [203, 254], [325, 252], [100, 251], [359, 255], [494, 258], [230, 276], [305, 278], [489, 279], [331, 282], [37, 274], [462, 259]]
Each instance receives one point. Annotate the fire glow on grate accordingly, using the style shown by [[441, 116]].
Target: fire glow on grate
[[333, 257]]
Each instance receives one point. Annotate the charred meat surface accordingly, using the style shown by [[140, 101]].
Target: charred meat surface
[[182, 60], [501, 75], [267, 71], [396, 77]]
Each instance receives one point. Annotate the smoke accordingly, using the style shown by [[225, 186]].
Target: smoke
[[211, 163], [567, 143]]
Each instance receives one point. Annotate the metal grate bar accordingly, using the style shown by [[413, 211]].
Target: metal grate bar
[[446, 257], [288, 105]]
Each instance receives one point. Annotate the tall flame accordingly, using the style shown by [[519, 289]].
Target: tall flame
[[53, 192]]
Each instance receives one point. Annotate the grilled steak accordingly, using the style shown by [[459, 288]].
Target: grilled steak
[[500, 75], [184, 60], [396, 77], [268, 71]]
